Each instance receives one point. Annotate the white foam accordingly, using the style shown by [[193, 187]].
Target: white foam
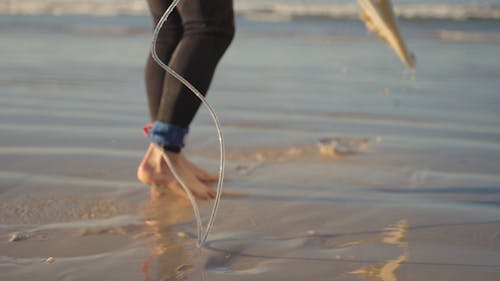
[[351, 11]]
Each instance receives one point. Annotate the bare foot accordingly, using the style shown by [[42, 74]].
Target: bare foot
[[153, 168], [200, 173], [198, 188], [154, 171]]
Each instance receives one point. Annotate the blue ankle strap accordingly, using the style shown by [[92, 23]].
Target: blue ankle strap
[[169, 136]]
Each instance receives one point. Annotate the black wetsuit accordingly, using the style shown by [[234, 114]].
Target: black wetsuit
[[192, 41]]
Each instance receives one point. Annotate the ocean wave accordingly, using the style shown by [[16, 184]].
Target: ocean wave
[[74, 7], [351, 11], [268, 11]]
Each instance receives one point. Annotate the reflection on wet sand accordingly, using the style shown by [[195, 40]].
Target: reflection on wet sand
[[168, 259], [394, 235]]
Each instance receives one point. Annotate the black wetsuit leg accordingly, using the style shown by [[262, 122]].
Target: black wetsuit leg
[[194, 39]]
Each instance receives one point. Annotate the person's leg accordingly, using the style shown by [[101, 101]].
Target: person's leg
[[208, 30], [151, 170], [167, 42], [208, 27]]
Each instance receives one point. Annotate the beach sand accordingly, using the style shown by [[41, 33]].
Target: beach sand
[[300, 214], [370, 176]]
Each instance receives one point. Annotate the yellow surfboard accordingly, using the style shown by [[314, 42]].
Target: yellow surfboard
[[379, 19]]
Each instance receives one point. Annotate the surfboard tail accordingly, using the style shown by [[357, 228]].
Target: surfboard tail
[[379, 18]]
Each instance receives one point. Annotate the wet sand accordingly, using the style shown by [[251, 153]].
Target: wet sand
[[303, 215]]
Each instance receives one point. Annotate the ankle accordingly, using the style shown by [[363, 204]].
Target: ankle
[[174, 157]]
